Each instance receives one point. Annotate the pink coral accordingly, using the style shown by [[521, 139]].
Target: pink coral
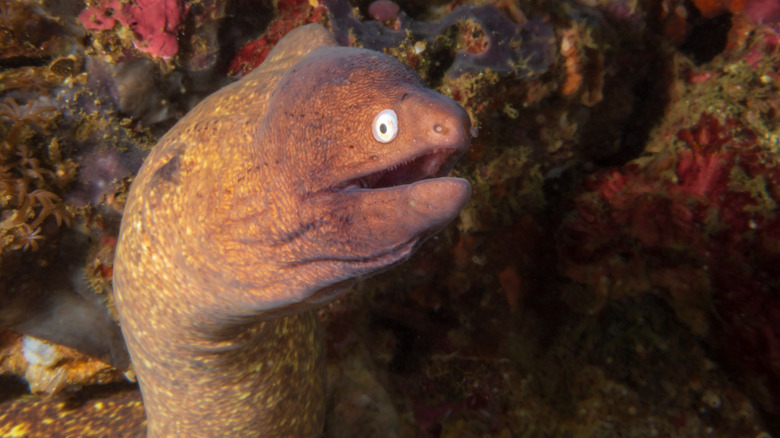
[[154, 23], [386, 12], [763, 11]]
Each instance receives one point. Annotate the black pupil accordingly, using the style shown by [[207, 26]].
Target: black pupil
[[383, 128]]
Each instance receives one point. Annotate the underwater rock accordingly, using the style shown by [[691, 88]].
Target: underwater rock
[[49, 368], [27, 33], [358, 405], [492, 41], [201, 43], [56, 303], [139, 89], [104, 152]]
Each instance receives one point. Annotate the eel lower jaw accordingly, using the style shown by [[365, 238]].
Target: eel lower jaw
[[432, 163], [428, 206]]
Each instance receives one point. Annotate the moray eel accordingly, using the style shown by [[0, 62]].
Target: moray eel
[[262, 204]]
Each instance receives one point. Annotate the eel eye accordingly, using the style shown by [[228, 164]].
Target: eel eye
[[385, 126]]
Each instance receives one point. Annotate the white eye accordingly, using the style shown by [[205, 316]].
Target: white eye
[[385, 126]]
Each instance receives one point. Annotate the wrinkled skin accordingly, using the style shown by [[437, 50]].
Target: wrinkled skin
[[261, 205]]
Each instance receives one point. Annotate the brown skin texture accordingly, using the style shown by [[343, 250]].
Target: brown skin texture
[[243, 220]]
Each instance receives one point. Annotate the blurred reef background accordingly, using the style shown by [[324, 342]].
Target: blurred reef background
[[616, 273]]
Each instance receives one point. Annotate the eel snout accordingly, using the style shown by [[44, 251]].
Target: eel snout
[[440, 133]]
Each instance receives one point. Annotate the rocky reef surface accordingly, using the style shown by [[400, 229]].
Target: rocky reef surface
[[615, 273]]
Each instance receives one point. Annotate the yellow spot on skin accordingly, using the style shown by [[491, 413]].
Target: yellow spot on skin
[[20, 430], [99, 405]]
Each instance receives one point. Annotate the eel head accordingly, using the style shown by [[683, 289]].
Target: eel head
[[326, 164], [368, 147]]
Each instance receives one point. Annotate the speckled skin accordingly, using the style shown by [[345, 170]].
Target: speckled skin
[[110, 413], [238, 226]]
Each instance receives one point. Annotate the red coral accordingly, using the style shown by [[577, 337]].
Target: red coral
[[155, 23], [291, 14], [702, 174], [711, 206]]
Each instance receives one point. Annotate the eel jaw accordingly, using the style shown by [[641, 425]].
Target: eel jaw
[[433, 162], [388, 212]]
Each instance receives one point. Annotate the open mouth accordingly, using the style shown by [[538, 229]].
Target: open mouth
[[433, 163]]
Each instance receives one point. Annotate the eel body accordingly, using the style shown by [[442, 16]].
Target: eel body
[[263, 203]]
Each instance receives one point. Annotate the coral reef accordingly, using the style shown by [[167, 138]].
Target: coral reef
[[29, 179], [695, 219], [54, 127], [486, 38], [485, 47], [699, 205]]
